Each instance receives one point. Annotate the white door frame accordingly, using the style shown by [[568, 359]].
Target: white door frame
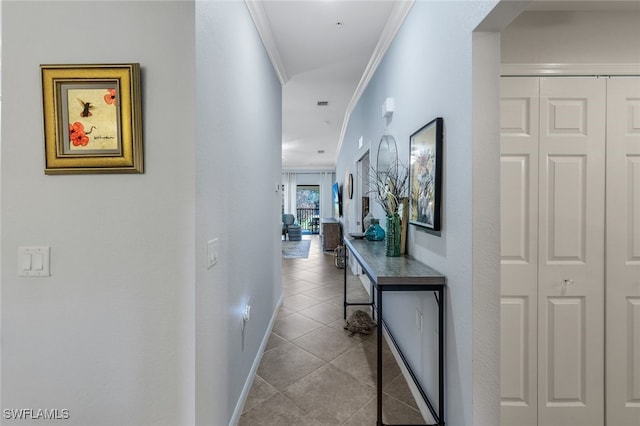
[[568, 70], [358, 191]]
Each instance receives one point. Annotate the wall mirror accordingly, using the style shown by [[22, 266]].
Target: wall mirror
[[387, 154]]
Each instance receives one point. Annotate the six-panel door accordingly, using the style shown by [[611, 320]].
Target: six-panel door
[[554, 152], [623, 252]]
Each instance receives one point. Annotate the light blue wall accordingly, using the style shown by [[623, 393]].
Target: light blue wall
[[428, 72], [238, 163]]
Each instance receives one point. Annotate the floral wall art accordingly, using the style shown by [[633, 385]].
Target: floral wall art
[[92, 118], [426, 175]]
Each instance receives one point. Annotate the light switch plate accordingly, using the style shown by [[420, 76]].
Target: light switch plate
[[34, 261]]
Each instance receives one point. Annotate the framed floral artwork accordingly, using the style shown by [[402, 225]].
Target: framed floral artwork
[[425, 176], [92, 119]]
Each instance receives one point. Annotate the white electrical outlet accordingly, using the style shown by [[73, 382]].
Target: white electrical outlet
[[418, 320], [212, 253], [246, 314]]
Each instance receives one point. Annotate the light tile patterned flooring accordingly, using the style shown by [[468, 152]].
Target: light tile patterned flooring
[[312, 372]]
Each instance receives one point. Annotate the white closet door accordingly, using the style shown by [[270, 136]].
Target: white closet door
[[623, 252], [571, 251], [519, 250]]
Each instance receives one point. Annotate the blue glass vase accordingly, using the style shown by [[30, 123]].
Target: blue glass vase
[[374, 232]]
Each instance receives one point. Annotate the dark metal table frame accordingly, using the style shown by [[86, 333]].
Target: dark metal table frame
[[398, 274]]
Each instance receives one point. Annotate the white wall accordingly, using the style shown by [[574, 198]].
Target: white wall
[[573, 37], [238, 143], [428, 72], [307, 178], [132, 328], [110, 335]]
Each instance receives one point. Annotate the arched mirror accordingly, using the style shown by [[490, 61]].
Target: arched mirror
[[387, 154]]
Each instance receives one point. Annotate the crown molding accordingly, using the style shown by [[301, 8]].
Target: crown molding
[[569, 69], [397, 16], [313, 171], [261, 22]]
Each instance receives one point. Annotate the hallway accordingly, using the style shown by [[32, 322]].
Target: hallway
[[312, 371]]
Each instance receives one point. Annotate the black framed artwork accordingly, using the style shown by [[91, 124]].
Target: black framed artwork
[[425, 176]]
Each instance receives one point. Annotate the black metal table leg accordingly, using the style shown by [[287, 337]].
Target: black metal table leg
[[378, 304], [345, 281], [441, 344]]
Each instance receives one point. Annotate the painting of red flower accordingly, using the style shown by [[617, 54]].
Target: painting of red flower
[[76, 127], [110, 97], [92, 118], [77, 135]]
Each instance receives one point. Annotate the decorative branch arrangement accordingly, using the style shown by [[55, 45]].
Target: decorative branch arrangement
[[389, 186]]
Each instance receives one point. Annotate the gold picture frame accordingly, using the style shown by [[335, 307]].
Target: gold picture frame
[[92, 119]]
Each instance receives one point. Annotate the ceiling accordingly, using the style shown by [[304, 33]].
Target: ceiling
[[321, 50], [326, 51]]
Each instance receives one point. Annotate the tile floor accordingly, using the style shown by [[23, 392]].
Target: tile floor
[[312, 371]]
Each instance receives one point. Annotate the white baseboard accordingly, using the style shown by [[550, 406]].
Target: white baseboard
[[366, 283], [235, 418]]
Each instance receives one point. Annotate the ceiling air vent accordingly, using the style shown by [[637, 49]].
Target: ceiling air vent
[[323, 103]]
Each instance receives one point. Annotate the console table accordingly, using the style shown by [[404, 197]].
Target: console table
[[398, 274], [331, 234]]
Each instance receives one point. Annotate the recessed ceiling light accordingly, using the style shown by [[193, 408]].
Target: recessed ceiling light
[[323, 103]]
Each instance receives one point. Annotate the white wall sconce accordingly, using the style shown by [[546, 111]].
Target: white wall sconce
[[387, 108]]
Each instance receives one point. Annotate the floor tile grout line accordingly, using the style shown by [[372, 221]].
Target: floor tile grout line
[[308, 353], [328, 362], [359, 410], [268, 350], [271, 397], [306, 316], [401, 402]]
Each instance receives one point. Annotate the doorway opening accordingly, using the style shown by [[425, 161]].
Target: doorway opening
[[308, 208]]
